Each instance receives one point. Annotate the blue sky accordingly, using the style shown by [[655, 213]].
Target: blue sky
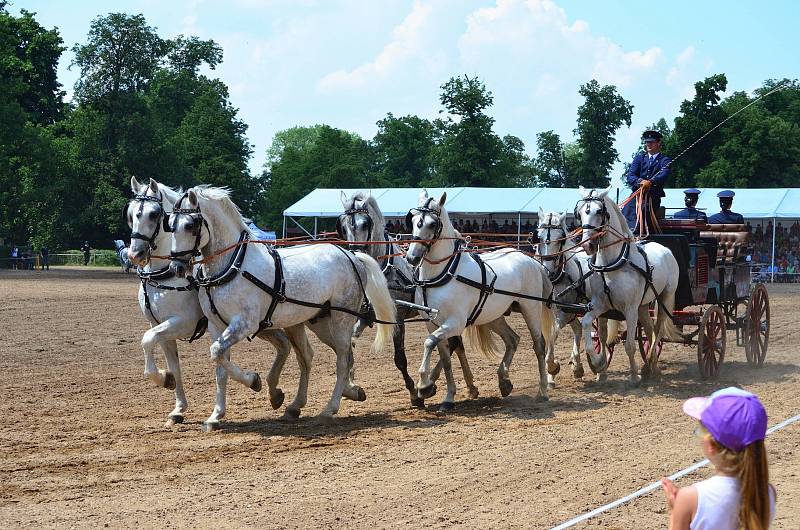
[[348, 63]]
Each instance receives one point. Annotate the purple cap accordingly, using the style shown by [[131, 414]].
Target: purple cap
[[734, 417]]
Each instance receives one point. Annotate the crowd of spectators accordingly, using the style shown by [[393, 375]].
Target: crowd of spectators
[[787, 251]]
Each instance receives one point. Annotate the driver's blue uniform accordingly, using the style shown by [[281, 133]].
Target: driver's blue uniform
[[656, 170], [726, 217]]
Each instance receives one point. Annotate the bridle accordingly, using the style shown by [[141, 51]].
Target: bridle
[[587, 201], [351, 214], [161, 219], [423, 211], [198, 222], [558, 271]]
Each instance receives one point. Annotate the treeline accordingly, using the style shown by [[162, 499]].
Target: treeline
[[142, 108]]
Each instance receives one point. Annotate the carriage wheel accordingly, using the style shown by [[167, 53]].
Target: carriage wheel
[[757, 326], [711, 342], [596, 343], [644, 344]]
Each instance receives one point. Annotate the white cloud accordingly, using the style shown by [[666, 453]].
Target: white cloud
[[405, 45]]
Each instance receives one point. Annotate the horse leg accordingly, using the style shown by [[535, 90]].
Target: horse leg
[[647, 332], [151, 337], [553, 366], [662, 321], [282, 347], [448, 403], [305, 355], [342, 346], [235, 332], [575, 359], [457, 345], [221, 381], [631, 321], [532, 313], [401, 362], [170, 348], [511, 342], [597, 364], [425, 386]]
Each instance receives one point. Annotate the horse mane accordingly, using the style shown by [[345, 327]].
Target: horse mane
[[613, 209], [171, 194], [222, 197]]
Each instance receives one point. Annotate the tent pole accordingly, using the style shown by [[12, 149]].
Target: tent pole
[[284, 227], [519, 227], [315, 227], [772, 268]]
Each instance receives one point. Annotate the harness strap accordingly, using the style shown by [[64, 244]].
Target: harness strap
[[443, 277]]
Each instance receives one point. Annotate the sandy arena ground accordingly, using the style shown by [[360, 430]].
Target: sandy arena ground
[[83, 442]]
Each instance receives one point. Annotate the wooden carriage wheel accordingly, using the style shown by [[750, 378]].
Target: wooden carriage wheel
[[711, 342], [596, 343], [756, 330]]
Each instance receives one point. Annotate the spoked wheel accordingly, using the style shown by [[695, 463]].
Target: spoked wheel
[[711, 342], [757, 326], [597, 345], [644, 344]]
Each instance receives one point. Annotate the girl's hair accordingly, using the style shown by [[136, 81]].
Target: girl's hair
[[750, 466]]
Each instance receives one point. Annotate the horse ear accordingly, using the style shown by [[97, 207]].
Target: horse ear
[[423, 195], [192, 197], [583, 192], [153, 186], [343, 198], [605, 191], [442, 199], [135, 185]]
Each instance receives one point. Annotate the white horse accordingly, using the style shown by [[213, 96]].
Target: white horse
[[473, 294], [363, 220], [321, 285], [632, 275], [169, 303]]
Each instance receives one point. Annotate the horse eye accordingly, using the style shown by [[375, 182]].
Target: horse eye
[[189, 225], [152, 215]]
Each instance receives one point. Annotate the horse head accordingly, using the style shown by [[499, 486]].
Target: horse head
[[360, 218], [426, 222], [592, 213], [552, 233], [145, 216]]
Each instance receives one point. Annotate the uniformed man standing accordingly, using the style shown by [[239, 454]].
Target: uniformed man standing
[[726, 216], [690, 212], [649, 168]]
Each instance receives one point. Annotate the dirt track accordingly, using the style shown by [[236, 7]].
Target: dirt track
[[83, 442]]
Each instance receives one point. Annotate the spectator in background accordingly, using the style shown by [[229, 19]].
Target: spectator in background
[[44, 252], [14, 256], [87, 252]]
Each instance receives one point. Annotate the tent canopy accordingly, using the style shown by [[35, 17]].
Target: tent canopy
[[395, 202]]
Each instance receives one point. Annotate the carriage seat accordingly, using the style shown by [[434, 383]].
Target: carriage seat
[[730, 238]]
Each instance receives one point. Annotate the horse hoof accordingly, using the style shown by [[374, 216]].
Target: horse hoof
[[473, 392], [557, 369], [211, 426], [174, 419], [291, 413], [635, 382], [426, 392], [276, 400], [169, 381], [578, 372], [505, 387], [418, 403], [360, 394], [255, 386], [542, 398], [551, 385], [446, 406], [645, 372]]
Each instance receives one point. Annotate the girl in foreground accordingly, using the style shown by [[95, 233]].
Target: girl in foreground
[[733, 424]]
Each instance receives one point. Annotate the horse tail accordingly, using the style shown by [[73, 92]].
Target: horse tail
[[378, 296], [670, 331], [480, 338], [613, 328], [549, 323]]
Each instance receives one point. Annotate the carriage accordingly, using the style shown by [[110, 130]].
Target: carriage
[[714, 294]]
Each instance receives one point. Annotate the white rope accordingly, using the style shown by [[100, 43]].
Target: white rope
[[720, 124], [656, 485]]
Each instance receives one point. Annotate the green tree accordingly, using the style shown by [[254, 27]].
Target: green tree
[[603, 112], [697, 117], [403, 151], [470, 153]]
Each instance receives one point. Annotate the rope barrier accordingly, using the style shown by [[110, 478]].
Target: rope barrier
[[655, 485]]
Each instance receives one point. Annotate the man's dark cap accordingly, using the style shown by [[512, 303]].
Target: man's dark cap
[[651, 136], [692, 191], [725, 194]]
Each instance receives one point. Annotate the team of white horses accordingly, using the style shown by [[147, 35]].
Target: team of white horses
[[213, 276]]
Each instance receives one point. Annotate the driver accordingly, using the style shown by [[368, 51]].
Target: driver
[[650, 168]]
